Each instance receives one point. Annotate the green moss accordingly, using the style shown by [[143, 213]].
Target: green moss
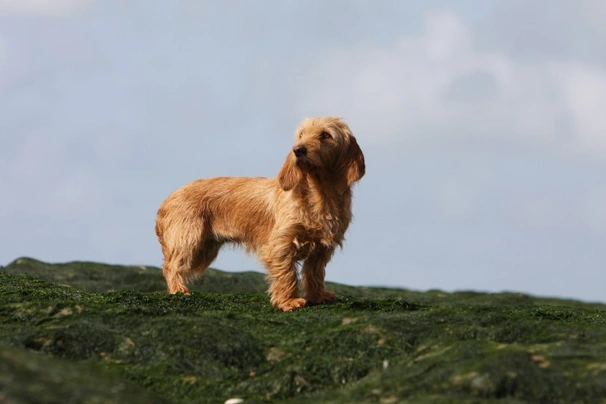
[[28, 377], [372, 345]]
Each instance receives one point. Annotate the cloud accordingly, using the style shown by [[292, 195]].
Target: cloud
[[583, 92], [43, 7], [593, 209], [438, 86], [530, 31]]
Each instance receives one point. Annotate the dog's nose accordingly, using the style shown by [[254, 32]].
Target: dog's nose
[[300, 151]]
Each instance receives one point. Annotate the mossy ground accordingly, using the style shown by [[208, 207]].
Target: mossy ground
[[374, 345]]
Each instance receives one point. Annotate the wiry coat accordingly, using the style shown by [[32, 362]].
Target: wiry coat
[[301, 215]]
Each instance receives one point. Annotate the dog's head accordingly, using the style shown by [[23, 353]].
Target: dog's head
[[324, 148]]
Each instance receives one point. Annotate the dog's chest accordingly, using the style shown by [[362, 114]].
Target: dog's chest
[[322, 229], [320, 220]]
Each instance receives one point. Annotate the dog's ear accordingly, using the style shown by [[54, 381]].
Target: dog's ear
[[290, 174], [353, 166], [357, 166]]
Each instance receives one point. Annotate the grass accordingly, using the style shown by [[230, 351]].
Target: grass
[[373, 345]]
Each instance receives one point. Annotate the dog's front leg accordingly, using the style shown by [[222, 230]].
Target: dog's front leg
[[282, 276], [313, 277]]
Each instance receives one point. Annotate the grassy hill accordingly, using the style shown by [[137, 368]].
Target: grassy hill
[[86, 332]]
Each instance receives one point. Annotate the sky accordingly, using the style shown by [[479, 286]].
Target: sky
[[483, 123]]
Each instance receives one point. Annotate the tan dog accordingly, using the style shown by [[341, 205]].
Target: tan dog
[[300, 215]]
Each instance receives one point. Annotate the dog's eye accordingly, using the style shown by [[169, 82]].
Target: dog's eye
[[325, 135]]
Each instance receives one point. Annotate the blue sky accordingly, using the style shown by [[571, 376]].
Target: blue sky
[[482, 122]]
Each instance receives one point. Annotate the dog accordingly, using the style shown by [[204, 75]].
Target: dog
[[301, 215]]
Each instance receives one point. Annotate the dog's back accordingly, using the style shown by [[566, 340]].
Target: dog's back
[[224, 209]]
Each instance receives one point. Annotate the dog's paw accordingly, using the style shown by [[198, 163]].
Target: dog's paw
[[325, 296], [179, 289], [292, 304]]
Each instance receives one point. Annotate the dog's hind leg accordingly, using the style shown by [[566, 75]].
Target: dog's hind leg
[[189, 264], [176, 272], [186, 255], [204, 256]]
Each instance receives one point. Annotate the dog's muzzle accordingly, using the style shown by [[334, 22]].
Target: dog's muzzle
[[300, 151]]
